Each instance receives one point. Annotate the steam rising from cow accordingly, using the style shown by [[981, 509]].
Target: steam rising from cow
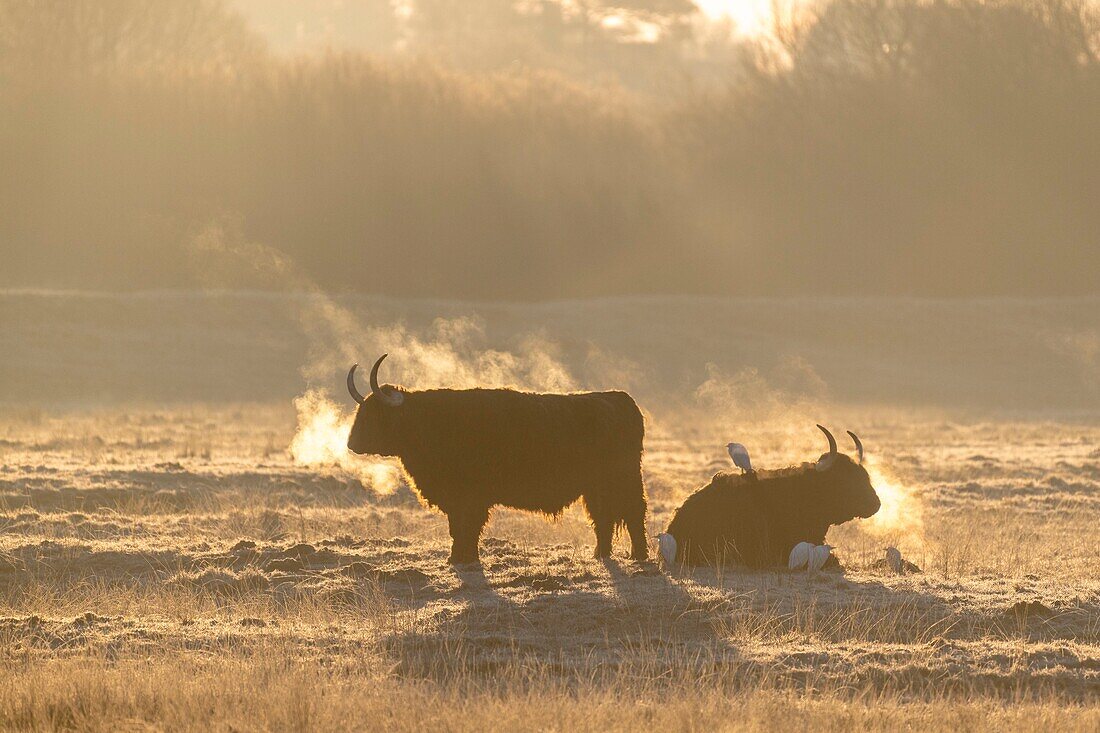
[[756, 519], [468, 450]]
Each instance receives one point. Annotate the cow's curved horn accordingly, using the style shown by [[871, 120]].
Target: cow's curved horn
[[390, 397], [832, 440], [374, 375], [351, 385], [859, 445]]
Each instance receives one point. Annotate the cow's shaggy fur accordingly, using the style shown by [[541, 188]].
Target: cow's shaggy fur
[[755, 519], [470, 450]]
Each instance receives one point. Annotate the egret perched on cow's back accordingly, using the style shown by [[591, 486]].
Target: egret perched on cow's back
[[740, 456]]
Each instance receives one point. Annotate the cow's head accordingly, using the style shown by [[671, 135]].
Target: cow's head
[[377, 422], [847, 490]]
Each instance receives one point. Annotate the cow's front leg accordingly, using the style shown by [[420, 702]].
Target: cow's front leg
[[602, 521], [466, 525], [605, 533], [635, 526]]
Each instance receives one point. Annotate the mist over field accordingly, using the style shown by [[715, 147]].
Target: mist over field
[[753, 216], [989, 357]]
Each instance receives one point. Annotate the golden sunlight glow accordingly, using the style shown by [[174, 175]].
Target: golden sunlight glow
[[901, 513], [750, 17], [322, 439]]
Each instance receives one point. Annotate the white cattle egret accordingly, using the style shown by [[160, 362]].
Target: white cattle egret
[[819, 556], [740, 456], [666, 544], [800, 555], [893, 559]]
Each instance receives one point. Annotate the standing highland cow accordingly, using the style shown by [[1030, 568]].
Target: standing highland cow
[[756, 518], [468, 450]]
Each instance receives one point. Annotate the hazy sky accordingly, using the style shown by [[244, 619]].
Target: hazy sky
[[303, 25], [750, 16]]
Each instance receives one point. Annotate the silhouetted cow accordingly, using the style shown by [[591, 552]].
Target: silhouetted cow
[[756, 518], [468, 450]]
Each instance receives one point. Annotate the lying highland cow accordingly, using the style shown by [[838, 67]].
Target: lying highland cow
[[755, 519], [468, 450]]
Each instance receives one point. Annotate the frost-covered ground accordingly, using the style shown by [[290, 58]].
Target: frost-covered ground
[[172, 564], [186, 537]]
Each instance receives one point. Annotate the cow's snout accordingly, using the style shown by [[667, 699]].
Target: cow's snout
[[872, 507]]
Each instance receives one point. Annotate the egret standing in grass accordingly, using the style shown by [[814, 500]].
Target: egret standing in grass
[[801, 555], [893, 559], [820, 556], [666, 544]]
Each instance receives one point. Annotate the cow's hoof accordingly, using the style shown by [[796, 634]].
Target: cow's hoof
[[601, 554]]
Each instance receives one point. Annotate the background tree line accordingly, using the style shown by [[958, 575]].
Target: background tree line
[[524, 150]]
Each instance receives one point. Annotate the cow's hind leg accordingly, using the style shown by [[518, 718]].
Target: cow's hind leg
[[628, 495], [466, 525]]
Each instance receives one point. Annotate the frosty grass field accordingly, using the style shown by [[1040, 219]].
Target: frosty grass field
[[183, 546]]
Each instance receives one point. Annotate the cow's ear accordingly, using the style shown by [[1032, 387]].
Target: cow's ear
[[825, 462]]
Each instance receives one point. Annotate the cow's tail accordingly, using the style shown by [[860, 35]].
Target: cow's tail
[[666, 544]]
